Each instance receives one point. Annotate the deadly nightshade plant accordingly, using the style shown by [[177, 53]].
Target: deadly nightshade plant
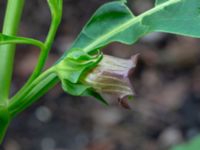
[[84, 70]]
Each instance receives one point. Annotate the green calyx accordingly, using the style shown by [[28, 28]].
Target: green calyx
[[72, 69]]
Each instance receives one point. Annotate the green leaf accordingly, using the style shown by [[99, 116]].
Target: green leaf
[[5, 39], [193, 144], [124, 1], [114, 22], [160, 1], [175, 16], [108, 24]]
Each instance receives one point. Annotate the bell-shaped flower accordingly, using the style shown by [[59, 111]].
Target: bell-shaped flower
[[113, 76]]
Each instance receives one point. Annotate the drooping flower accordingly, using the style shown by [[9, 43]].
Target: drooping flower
[[113, 76], [84, 74]]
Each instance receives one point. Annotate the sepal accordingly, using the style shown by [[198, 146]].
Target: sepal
[[73, 68]]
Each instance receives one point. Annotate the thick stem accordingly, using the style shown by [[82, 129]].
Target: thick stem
[[33, 91], [10, 27]]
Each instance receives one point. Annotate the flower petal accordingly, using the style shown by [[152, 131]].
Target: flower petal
[[113, 76]]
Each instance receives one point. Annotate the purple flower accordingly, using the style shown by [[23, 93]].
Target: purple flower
[[113, 76]]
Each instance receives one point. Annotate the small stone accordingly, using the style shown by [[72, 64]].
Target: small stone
[[12, 145], [108, 117], [170, 136], [43, 114], [48, 144]]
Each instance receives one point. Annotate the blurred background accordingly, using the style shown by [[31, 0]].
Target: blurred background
[[165, 111]]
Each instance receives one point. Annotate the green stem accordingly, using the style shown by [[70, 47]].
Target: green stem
[[7, 52], [45, 51], [10, 27], [56, 14], [33, 91], [56, 19], [20, 40]]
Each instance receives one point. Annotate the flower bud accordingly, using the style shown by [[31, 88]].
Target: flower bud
[[113, 76]]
